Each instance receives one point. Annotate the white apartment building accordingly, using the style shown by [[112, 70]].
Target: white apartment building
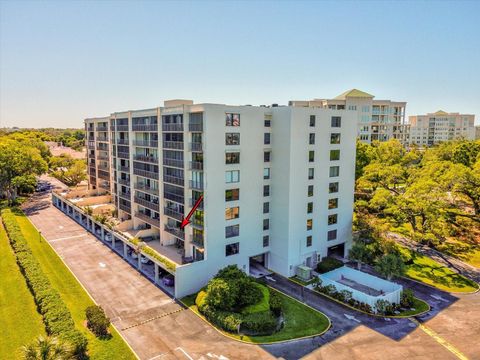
[[277, 183], [377, 120], [433, 128]]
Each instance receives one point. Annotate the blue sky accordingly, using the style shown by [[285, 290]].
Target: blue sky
[[63, 61]]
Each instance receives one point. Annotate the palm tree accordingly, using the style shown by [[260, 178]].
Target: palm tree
[[47, 348]]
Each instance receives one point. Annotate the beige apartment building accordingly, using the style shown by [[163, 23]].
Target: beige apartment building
[[433, 128], [377, 120]]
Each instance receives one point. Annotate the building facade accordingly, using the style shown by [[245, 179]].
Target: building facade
[[433, 128], [376, 120], [276, 183]]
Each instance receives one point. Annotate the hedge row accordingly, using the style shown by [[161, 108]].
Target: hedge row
[[56, 316]]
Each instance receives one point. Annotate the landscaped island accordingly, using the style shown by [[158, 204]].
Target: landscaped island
[[250, 311]]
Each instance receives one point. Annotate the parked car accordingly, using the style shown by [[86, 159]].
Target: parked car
[[108, 237], [134, 255], [169, 280], [145, 260]]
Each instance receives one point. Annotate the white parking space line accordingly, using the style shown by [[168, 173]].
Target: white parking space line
[[156, 357], [184, 352], [66, 238]]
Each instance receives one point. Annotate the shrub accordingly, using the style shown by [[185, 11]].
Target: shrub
[[328, 264], [250, 293], [221, 294], [226, 320], [97, 321], [200, 300], [407, 298], [275, 303], [328, 289], [347, 295], [56, 316], [260, 323], [382, 306], [231, 272]]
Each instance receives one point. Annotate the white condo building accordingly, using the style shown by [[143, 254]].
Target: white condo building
[[377, 120], [277, 184], [433, 128]]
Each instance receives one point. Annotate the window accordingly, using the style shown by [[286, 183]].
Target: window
[[333, 187], [267, 123], [232, 249], [334, 171], [332, 219], [266, 156], [266, 224], [311, 156], [336, 121], [232, 194], [232, 176], [266, 190], [352, 107], [311, 139], [331, 235], [232, 158], [309, 224], [310, 190], [266, 240], [311, 172], [309, 240], [266, 138], [334, 155], [266, 207], [266, 173], [232, 213], [312, 120], [333, 203], [232, 230], [232, 139], [335, 138], [232, 119], [309, 207]]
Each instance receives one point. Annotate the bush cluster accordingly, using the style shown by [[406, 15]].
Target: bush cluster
[[344, 296], [328, 264], [56, 316], [235, 302], [97, 321], [407, 298]]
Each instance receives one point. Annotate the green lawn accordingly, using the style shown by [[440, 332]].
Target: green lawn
[[469, 253], [72, 294], [300, 321], [19, 320], [420, 306], [429, 271]]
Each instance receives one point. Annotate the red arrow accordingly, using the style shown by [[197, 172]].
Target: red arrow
[[186, 220]]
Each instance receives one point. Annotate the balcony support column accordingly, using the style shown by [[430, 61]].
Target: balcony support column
[[156, 272], [103, 233], [139, 262], [124, 250]]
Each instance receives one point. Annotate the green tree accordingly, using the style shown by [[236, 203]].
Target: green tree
[[359, 253], [47, 348], [390, 265], [222, 294]]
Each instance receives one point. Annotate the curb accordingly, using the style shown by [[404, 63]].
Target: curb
[[450, 292]]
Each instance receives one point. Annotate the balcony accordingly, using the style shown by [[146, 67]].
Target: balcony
[[193, 201], [147, 174], [125, 182], [196, 165], [123, 168], [123, 155], [124, 195], [149, 204], [103, 175], [174, 180], [178, 145], [103, 167], [102, 128], [172, 127], [196, 185], [102, 138], [175, 232], [147, 189], [195, 127], [146, 143], [173, 197], [197, 240], [198, 224], [195, 146], [102, 157], [148, 219], [173, 163], [145, 127], [124, 207], [122, 127], [173, 213], [112, 127], [122, 141], [146, 158], [92, 170], [102, 147], [91, 145]]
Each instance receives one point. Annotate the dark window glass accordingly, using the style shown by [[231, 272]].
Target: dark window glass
[[232, 119], [232, 158], [309, 240], [312, 120], [309, 224], [311, 139], [311, 173], [266, 190], [310, 207], [266, 173], [266, 156], [333, 203], [232, 194], [232, 230], [333, 187], [335, 138], [232, 249], [332, 235], [311, 156], [266, 138], [332, 219], [232, 139], [266, 240], [336, 121], [310, 190], [266, 224], [334, 171], [266, 207], [334, 155]]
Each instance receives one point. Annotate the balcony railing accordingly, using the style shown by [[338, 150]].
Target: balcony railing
[[145, 127], [125, 182], [123, 168], [145, 158], [103, 175], [172, 127], [147, 143], [127, 208], [145, 188], [148, 204], [196, 185], [196, 165], [174, 180], [123, 155], [197, 223], [195, 127], [91, 145], [197, 240], [125, 195], [148, 219], [175, 232], [145, 173], [102, 138], [173, 213], [102, 147], [92, 170], [173, 145], [102, 128], [122, 127], [102, 157], [122, 141], [103, 167], [173, 163], [173, 197], [195, 146]]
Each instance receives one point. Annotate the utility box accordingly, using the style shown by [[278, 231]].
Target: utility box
[[304, 272]]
